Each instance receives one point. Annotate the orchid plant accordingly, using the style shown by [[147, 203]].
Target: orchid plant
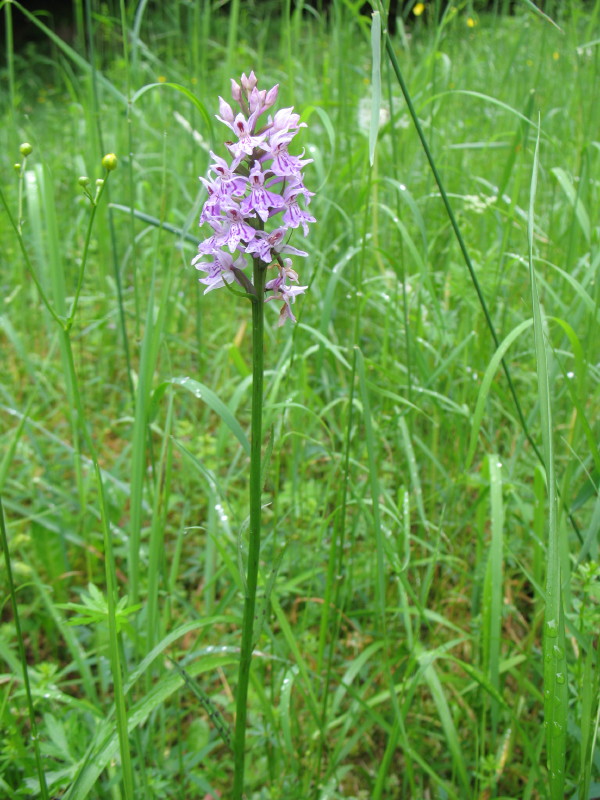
[[255, 202], [263, 182]]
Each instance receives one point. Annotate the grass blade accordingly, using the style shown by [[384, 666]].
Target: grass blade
[[493, 586], [555, 679], [486, 383], [375, 84]]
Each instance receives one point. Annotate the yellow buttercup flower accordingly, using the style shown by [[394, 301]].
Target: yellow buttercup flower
[[419, 9], [471, 22]]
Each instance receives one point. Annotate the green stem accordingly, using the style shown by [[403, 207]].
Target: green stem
[[22, 656], [239, 740], [10, 61], [84, 255], [20, 194], [28, 264]]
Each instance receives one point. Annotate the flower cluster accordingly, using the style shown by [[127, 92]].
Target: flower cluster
[[263, 180]]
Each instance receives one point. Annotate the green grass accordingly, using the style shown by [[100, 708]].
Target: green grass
[[429, 581]]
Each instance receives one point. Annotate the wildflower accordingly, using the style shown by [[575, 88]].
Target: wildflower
[[261, 181], [418, 9], [294, 215], [268, 246], [220, 271], [284, 292]]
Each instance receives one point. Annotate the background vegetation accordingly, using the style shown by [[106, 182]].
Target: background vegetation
[[429, 627]]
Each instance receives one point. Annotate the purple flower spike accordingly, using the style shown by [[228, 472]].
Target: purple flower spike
[[262, 181]]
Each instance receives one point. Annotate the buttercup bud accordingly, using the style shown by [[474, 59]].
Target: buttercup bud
[[109, 162], [17, 166], [83, 181], [99, 183], [25, 149]]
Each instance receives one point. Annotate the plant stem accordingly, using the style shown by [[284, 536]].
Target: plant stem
[[239, 740], [23, 657]]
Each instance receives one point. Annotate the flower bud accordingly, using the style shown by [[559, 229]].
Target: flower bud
[[25, 149], [236, 91], [83, 181], [109, 162], [271, 97], [99, 183], [249, 82], [226, 112], [16, 166], [255, 101]]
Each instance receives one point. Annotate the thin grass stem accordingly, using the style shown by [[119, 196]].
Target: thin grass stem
[[23, 657]]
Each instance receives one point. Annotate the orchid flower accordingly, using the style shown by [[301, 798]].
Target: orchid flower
[[261, 181]]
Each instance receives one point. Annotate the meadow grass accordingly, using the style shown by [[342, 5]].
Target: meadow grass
[[429, 580]]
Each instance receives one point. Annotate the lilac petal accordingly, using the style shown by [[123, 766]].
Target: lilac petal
[[262, 202], [284, 120], [236, 91], [287, 248], [226, 113], [271, 97], [260, 247], [294, 216]]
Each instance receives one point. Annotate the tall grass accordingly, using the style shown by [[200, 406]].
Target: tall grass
[[422, 533]]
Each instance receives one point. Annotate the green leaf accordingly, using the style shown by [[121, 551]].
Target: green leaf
[[202, 392], [106, 742], [486, 383]]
